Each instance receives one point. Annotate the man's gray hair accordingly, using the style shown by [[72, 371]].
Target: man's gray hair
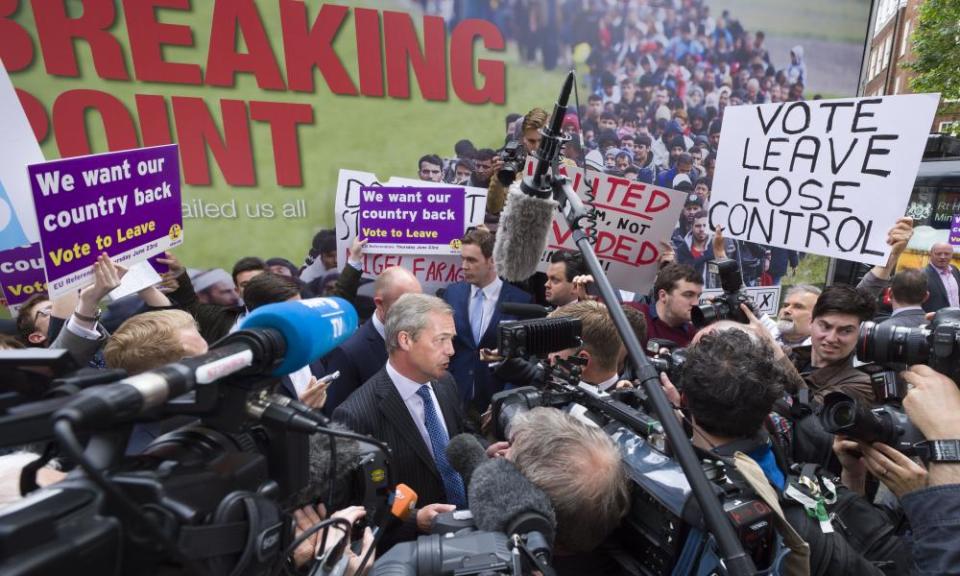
[[803, 288], [410, 314], [578, 467]]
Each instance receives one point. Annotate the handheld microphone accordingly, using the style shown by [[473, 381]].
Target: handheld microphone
[[276, 339], [502, 499], [465, 454], [311, 328], [524, 311], [527, 216]]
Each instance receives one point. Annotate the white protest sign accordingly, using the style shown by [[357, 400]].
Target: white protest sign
[[826, 176], [765, 298], [632, 219], [433, 271], [18, 149]]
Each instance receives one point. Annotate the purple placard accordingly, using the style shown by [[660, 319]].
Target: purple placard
[[955, 230], [21, 275], [412, 219], [124, 203]]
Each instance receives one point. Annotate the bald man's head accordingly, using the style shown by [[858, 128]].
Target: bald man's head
[[941, 254], [390, 285]]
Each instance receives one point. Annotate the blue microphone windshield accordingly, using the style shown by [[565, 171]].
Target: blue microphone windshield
[[311, 328]]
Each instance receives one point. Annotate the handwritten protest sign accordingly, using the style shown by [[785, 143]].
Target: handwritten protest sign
[[632, 219], [124, 203], [18, 149], [21, 275], [412, 220], [826, 176], [433, 271]]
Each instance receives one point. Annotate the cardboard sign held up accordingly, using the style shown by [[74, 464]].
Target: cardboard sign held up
[[827, 176]]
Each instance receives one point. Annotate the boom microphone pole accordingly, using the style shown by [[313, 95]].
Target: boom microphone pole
[[735, 559]]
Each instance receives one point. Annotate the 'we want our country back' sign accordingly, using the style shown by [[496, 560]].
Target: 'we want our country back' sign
[[825, 176]]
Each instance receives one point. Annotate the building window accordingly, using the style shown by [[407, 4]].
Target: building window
[[872, 69], [886, 52], [906, 39], [896, 85]]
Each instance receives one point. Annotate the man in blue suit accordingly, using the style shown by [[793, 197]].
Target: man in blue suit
[[365, 353], [476, 312]]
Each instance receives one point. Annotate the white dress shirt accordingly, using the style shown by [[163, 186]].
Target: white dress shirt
[[491, 293], [408, 392]]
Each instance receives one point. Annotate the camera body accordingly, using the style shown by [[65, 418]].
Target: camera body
[[669, 359], [513, 156], [727, 305], [936, 344]]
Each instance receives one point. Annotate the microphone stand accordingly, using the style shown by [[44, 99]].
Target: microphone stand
[[735, 559], [545, 182]]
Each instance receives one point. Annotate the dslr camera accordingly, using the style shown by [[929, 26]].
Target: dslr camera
[[888, 423], [937, 344], [727, 305], [513, 156]]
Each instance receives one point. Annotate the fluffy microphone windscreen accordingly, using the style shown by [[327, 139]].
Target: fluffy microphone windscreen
[[503, 500], [465, 453], [522, 234]]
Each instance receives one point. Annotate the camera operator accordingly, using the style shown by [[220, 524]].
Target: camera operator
[[729, 385], [601, 349], [677, 289], [565, 266], [578, 467], [530, 135]]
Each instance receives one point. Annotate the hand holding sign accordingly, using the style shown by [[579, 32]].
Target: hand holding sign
[[825, 176]]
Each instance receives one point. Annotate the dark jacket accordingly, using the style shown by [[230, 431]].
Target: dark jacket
[[474, 378], [908, 319], [938, 293], [377, 409], [934, 515], [358, 359]]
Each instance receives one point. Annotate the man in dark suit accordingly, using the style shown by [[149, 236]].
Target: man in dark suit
[[365, 353], [476, 311], [908, 291], [413, 406], [943, 279]]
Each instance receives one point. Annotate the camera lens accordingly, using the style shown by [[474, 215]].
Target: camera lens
[[706, 314], [885, 343], [844, 415]]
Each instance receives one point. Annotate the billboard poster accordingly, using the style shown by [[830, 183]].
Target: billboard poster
[[268, 100]]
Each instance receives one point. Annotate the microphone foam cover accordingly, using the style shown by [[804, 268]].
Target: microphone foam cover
[[311, 328], [501, 498], [522, 234], [465, 454]]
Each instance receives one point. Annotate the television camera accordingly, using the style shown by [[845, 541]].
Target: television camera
[[213, 497]]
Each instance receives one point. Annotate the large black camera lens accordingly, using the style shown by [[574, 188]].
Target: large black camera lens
[[844, 415], [709, 312], [885, 343]]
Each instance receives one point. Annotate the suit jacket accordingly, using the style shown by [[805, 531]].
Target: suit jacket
[[358, 359], [377, 409], [474, 378], [938, 293], [81, 349], [909, 319]]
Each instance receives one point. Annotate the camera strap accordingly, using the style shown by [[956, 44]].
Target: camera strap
[[805, 489], [28, 476]]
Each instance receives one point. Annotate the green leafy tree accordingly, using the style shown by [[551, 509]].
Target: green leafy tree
[[936, 49]]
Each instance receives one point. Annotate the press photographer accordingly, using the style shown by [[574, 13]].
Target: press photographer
[[729, 385], [508, 163]]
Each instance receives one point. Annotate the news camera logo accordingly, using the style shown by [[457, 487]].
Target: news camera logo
[[11, 234]]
